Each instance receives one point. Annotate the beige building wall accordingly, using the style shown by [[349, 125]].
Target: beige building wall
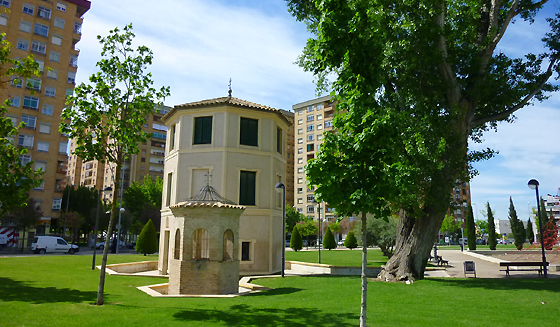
[[50, 31], [312, 119], [186, 165]]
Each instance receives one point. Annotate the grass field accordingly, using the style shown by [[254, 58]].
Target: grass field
[[351, 258], [60, 290]]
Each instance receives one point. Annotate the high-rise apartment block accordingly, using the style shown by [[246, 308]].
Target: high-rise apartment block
[[50, 31], [149, 161], [312, 119]]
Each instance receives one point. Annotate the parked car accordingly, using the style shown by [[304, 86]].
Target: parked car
[[101, 245], [341, 242], [44, 244]]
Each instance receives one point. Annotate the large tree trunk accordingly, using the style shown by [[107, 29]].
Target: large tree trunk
[[363, 314]]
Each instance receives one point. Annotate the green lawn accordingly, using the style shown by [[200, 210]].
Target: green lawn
[[352, 258], [60, 291]]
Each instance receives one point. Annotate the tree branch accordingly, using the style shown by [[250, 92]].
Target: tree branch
[[446, 72], [505, 114]]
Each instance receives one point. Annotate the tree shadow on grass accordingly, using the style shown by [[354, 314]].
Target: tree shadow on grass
[[276, 291], [12, 290], [244, 315], [535, 284]]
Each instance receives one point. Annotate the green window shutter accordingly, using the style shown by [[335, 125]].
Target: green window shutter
[[247, 184], [202, 130], [279, 140], [249, 132]]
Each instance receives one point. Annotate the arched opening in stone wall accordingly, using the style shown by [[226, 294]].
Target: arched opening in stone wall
[[228, 245], [201, 244], [177, 252]]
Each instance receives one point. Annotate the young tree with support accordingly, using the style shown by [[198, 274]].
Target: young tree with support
[[105, 117], [434, 68]]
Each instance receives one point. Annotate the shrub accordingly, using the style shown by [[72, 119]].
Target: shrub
[[296, 242], [147, 242], [350, 241], [328, 240]]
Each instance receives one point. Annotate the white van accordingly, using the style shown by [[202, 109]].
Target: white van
[[44, 244]]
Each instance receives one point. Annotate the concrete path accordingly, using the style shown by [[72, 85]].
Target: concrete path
[[486, 267]]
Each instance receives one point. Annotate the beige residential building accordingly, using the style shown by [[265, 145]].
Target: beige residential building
[[312, 119], [50, 31], [149, 161], [239, 148], [289, 159]]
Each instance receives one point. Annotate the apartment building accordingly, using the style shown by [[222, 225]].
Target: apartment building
[[149, 161], [49, 30], [311, 119], [552, 205]]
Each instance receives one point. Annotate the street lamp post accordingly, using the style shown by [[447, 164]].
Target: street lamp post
[[534, 185], [107, 189], [281, 187]]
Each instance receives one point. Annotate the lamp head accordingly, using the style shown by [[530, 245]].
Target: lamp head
[[279, 187], [533, 184]]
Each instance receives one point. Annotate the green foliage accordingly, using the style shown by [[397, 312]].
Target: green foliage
[[530, 232], [351, 242], [482, 227], [383, 233], [143, 201], [328, 240], [296, 243], [83, 200], [16, 179], [292, 218], [147, 242], [450, 225], [25, 217], [517, 228], [471, 231], [491, 228]]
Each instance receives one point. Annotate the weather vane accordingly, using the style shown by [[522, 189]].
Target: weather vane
[[229, 91]]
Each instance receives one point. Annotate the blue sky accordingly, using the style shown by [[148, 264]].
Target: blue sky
[[199, 45]]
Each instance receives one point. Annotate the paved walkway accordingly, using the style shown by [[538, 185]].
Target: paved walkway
[[486, 267]]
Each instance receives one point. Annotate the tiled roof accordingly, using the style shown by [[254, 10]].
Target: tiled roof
[[228, 101]]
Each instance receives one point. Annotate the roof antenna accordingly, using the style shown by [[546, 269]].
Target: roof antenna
[[229, 91]]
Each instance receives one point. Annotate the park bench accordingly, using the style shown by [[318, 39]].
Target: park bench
[[539, 266], [441, 261]]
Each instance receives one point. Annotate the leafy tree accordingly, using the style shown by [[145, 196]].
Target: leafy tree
[[491, 227], [435, 77], [106, 117], [471, 232], [328, 240], [306, 228], [517, 228], [16, 178], [292, 218], [147, 242], [25, 217], [81, 200], [351, 242], [146, 196], [73, 221], [550, 234], [384, 233], [296, 243], [482, 227], [450, 226], [530, 232]]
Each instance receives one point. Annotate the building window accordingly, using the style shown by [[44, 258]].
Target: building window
[[50, 91], [300, 140], [319, 116], [247, 184], [39, 47], [17, 82], [44, 13], [300, 150], [245, 251], [25, 26], [300, 121], [41, 65], [3, 20], [249, 132], [310, 128], [62, 147], [320, 106], [5, 3], [328, 124], [201, 244], [43, 146], [310, 138], [25, 159], [34, 84], [56, 204], [279, 140], [177, 252], [59, 22], [61, 7], [30, 102], [310, 118], [202, 130], [228, 245], [48, 109], [300, 131], [45, 128], [300, 200], [310, 147], [310, 198], [41, 30], [172, 137], [29, 121], [56, 40], [309, 108], [300, 160], [300, 180], [300, 190], [319, 137], [22, 44], [40, 165], [300, 170], [72, 77], [26, 141], [28, 9], [54, 56], [52, 74], [16, 101], [319, 127], [169, 188], [77, 28], [300, 112], [73, 60], [310, 209]]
